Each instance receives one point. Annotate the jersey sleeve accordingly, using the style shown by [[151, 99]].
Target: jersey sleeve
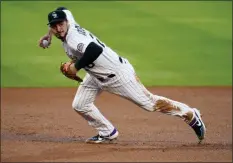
[[78, 42], [70, 17]]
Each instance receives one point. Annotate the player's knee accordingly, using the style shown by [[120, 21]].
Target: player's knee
[[148, 108], [79, 106], [147, 103], [155, 104]]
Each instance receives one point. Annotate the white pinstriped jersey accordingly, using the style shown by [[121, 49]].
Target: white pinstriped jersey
[[124, 83], [78, 38]]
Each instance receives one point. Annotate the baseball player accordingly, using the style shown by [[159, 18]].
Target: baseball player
[[107, 71]]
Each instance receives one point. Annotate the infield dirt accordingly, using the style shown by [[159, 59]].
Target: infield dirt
[[39, 124]]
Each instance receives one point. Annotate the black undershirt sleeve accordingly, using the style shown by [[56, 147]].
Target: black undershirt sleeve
[[91, 53]]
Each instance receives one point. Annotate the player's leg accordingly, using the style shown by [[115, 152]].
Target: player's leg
[[83, 103], [137, 93]]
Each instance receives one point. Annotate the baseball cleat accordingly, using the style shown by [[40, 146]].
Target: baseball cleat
[[198, 125], [103, 139]]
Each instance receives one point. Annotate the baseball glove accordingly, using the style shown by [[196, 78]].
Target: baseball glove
[[65, 70]]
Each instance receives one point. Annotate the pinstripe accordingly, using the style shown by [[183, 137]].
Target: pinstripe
[[84, 99], [123, 84], [137, 95]]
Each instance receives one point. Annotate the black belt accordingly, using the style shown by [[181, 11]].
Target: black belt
[[109, 76]]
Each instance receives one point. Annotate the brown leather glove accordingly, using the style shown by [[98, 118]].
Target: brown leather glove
[[65, 70]]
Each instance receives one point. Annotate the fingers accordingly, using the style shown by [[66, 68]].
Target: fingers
[[44, 46], [40, 42]]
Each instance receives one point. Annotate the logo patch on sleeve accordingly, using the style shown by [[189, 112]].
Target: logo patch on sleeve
[[80, 47]]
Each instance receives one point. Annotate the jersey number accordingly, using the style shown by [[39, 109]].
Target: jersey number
[[97, 40]]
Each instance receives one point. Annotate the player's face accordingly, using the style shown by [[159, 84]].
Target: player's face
[[60, 29]]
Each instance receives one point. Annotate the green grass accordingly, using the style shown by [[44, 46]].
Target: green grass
[[168, 43]]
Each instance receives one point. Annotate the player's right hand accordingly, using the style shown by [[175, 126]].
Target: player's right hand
[[45, 37]]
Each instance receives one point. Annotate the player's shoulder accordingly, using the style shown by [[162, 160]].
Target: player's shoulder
[[76, 32], [76, 36]]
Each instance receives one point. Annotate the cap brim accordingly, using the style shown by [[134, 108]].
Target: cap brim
[[56, 21]]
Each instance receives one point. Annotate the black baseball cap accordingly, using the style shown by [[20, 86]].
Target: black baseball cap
[[56, 16], [61, 8]]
